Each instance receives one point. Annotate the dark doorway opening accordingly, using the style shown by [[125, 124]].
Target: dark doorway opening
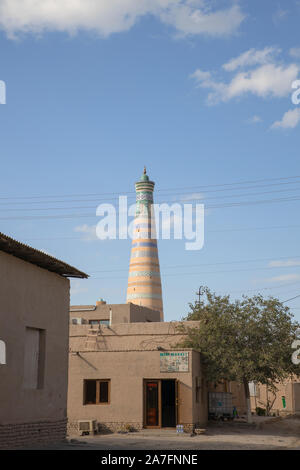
[[168, 403]]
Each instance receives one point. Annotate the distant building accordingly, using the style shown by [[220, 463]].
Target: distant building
[[125, 371], [286, 400], [34, 324], [104, 314]]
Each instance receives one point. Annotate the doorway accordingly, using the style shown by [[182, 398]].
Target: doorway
[[152, 403], [168, 404], [160, 403]]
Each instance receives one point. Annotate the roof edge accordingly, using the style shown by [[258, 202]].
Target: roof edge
[[39, 258]]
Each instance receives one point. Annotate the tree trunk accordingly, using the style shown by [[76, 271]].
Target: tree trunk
[[247, 395]]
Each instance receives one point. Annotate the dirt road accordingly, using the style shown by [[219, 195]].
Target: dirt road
[[266, 434]]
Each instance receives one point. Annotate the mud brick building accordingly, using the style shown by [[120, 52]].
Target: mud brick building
[[126, 371], [34, 331]]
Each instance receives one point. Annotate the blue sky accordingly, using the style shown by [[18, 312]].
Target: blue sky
[[199, 92]]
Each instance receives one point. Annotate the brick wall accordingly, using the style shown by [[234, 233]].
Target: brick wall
[[27, 434], [107, 427], [120, 426]]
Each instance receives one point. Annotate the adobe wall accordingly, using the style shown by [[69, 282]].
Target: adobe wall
[[131, 336], [37, 298], [289, 389], [126, 371], [200, 407]]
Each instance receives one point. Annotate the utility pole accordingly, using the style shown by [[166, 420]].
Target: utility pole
[[199, 293]]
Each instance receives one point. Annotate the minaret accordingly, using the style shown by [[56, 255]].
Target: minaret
[[144, 284]]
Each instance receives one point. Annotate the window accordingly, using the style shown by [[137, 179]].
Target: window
[[96, 392], [253, 389], [34, 358], [98, 322], [103, 395]]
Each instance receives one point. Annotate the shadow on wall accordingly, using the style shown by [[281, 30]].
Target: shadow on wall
[[84, 359]]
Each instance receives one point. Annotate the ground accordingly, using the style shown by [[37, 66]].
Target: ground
[[264, 434]]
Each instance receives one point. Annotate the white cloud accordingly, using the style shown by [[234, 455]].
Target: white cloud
[[111, 16], [76, 288], [255, 119], [283, 264], [289, 120], [188, 20], [202, 77], [264, 81], [295, 52], [88, 231], [284, 277], [252, 57], [279, 15]]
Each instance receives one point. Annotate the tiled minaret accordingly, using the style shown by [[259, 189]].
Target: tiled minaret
[[144, 284]]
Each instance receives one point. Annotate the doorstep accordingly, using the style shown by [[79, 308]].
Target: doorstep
[[162, 432]]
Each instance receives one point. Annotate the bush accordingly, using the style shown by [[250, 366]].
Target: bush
[[260, 411]]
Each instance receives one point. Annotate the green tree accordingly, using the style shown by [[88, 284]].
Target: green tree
[[245, 340]]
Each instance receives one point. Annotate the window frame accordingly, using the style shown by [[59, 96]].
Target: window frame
[[41, 360], [97, 401], [102, 322]]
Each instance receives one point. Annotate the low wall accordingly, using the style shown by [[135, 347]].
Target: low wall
[[114, 427], [26, 434]]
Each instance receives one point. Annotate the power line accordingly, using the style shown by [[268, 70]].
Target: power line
[[158, 190], [291, 299], [170, 194], [205, 272], [212, 206], [170, 201], [265, 288], [213, 264], [238, 229], [282, 286], [270, 227]]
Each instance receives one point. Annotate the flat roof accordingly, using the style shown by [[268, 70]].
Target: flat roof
[[39, 258]]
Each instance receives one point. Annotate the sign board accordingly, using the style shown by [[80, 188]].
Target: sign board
[[174, 361], [2, 352]]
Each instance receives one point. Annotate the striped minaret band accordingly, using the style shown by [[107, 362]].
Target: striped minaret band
[[144, 283]]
